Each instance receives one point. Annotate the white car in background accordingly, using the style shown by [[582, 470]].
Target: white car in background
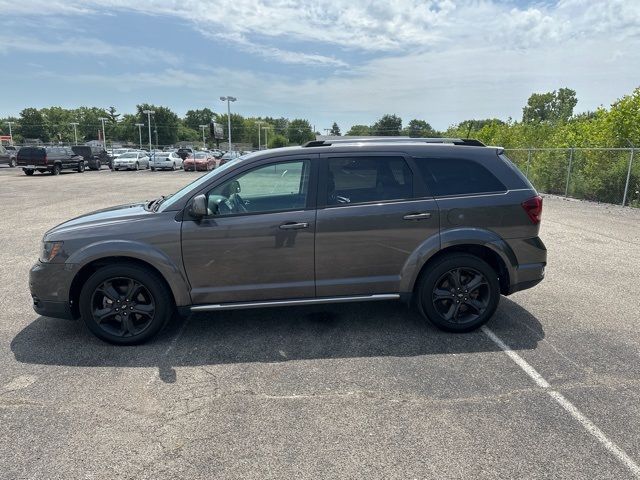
[[116, 152], [131, 161], [166, 161]]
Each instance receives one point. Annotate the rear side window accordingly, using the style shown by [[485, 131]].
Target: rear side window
[[457, 176], [368, 179]]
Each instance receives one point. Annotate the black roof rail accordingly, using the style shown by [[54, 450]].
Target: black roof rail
[[470, 142]]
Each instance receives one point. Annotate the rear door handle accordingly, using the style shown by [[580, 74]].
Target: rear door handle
[[294, 226], [417, 216]]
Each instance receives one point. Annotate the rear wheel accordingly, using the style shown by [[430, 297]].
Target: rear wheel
[[459, 293], [173, 166], [28, 172], [12, 163], [56, 169], [125, 304], [81, 167]]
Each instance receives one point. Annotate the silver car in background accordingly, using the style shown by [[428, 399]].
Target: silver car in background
[[132, 161], [166, 161]]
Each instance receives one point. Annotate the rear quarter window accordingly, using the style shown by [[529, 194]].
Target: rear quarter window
[[457, 176]]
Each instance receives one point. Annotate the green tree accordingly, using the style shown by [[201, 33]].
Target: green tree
[[300, 131], [335, 130], [359, 131], [277, 141], [58, 123], [420, 128], [164, 121], [388, 125], [194, 118], [553, 107], [238, 133], [90, 125], [32, 124]]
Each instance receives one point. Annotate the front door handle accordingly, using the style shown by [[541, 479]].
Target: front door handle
[[294, 226], [417, 216]]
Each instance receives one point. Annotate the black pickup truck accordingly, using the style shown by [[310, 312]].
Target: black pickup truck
[[49, 159]]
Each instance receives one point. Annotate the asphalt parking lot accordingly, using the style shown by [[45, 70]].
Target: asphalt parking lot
[[349, 391]]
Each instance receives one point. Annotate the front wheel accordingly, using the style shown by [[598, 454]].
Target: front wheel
[[28, 172], [459, 293], [12, 163], [81, 167], [137, 166], [125, 304], [55, 170]]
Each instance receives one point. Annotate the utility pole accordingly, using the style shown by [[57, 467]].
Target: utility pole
[[259, 146], [75, 132], [204, 143], [266, 137], [10, 132], [229, 100], [149, 113], [140, 125], [104, 137]]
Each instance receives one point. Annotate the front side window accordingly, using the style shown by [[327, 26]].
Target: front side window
[[368, 179], [457, 176], [275, 187]]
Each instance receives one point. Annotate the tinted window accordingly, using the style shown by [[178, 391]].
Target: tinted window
[[368, 179], [270, 188], [457, 176]]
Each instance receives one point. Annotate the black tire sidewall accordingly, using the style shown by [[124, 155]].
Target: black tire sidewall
[[55, 170], [442, 266], [162, 297], [28, 172]]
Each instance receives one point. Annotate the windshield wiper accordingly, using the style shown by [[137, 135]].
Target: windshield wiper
[[158, 201], [153, 203]]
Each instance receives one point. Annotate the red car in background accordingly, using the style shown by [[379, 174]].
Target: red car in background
[[203, 161]]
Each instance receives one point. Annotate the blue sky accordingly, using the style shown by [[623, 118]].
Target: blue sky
[[327, 60]]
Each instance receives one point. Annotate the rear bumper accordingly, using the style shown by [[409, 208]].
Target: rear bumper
[[527, 276]]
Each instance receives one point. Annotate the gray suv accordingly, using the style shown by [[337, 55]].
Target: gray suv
[[447, 224]]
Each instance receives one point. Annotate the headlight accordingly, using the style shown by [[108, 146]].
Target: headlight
[[50, 250]]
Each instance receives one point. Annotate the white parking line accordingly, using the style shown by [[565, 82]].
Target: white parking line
[[566, 404]]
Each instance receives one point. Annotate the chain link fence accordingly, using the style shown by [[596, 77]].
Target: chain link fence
[[607, 175]]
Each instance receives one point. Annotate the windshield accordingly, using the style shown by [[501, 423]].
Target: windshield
[[129, 155], [229, 155], [196, 183], [201, 155]]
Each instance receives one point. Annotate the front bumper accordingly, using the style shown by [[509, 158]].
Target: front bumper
[[49, 284]]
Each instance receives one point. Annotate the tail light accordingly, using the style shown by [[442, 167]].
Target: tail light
[[533, 207]]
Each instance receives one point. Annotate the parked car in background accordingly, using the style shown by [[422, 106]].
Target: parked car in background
[[95, 156], [49, 159], [116, 152], [166, 161], [446, 226], [7, 157], [217, 154], [201, 161], [228, 156], [132, 161], [185, 152]]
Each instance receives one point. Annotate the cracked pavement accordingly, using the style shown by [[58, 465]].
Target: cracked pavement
[[342, 391]]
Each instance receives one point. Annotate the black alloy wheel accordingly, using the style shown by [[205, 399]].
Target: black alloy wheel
[[125, 304], [459, 293]]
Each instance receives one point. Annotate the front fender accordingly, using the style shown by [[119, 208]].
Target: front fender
[[139, 251], [451, 238]]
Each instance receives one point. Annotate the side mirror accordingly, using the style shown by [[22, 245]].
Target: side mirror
[[199, 206]]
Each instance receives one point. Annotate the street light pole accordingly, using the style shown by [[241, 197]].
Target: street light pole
[[204, 143], [229, 100], [75, 132], [149, 113], [10, 132], [140, 125], [259, 146], [104, 138]]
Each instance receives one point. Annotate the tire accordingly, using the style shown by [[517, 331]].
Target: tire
[[98, 165], [152, 295], [446, 302], [81, 167], [56, 169], [137, 166], [173, 167], [28, 172], [12, 163], [153, 169]]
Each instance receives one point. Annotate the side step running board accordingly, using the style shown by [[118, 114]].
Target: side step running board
[[286, 303]]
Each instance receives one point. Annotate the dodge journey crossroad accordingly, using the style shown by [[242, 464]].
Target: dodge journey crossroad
[[446, 224]]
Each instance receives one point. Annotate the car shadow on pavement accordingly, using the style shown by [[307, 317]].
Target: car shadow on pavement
[[381, 329]]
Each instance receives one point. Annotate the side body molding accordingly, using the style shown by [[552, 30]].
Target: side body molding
[[171, 272], [450, 238]]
